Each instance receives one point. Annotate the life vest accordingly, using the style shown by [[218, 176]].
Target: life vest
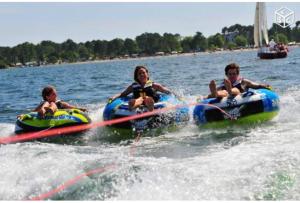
[[147, 90], [59, 104], [237, 84]]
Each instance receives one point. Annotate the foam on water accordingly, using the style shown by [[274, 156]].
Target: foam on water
[[6, 129], [96, 111], [262, 163], [49, 165], [261, 167], [189, 164]]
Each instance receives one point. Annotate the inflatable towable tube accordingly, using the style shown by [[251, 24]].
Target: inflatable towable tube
[[118, 108], [249, 107], [62, 117]]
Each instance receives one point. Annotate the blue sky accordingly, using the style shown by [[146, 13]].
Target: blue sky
[[37, 21]]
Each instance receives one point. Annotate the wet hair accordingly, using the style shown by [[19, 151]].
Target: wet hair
[[137, 70], [47, 91], [232, 66]]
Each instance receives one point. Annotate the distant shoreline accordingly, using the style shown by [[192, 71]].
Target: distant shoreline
[[170, 55], [148, 57], [142, 57], [153, 57]]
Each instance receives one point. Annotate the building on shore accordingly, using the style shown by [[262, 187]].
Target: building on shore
[[229, 36]]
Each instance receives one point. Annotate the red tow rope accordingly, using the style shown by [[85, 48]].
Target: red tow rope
[[71, 129]]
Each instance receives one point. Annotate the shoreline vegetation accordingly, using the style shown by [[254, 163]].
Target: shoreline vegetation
[[235, 37], [157, 56]]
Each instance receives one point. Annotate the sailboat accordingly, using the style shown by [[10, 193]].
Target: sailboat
[[261, 33]]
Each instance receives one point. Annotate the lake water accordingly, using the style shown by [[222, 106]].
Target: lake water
[[261, 162]]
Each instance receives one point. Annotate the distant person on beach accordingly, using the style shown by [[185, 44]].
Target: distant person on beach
[[234, 84], [51, 104], [143, 89]]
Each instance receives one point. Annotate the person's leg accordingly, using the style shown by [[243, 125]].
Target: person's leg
[[149, 102], [51, 108], [41, 109], [213, 91], [222, 93], [235, 91], [228, 86], [134, 103], [231, 91]]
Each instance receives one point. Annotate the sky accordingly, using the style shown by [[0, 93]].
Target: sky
[[81, 22]]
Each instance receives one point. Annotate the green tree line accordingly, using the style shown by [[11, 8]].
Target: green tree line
[[146, 44]]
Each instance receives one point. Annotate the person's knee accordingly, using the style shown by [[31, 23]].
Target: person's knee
[[46, 104], [51, 108], [149, 100], [222, 93], [53, 105], [235, 91]]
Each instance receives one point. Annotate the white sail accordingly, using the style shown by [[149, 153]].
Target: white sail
[[264, 25], [260, 25], [256, 27]]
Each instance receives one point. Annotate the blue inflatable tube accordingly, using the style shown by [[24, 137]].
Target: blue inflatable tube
[[118, 108], [252, 106]]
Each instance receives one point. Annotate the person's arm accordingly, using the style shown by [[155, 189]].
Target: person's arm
[[165, 90], [162, 89], [126, 92], [254, 85]]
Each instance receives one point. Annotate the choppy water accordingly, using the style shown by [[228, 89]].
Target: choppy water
[[254, 163]]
